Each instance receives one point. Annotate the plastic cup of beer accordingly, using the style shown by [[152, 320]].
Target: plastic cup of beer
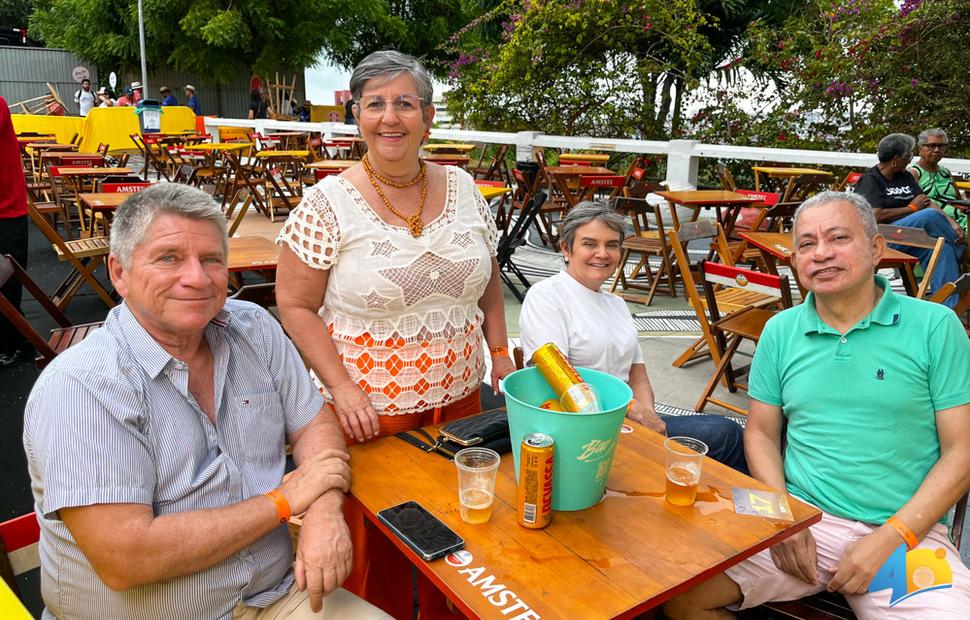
[[685, 455], [476, 483]]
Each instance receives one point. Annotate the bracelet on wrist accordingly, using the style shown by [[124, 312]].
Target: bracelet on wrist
[[904, 531], [913, 207], [499, 351], [283, 512]]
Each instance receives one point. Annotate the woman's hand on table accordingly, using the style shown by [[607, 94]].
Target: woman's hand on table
[[502, 366], [355, 412], [645, 415]]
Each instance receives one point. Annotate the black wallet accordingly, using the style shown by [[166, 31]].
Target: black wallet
[[485, 430]]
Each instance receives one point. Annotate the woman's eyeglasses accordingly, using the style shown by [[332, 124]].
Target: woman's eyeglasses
[[405, 105], [934, 147]]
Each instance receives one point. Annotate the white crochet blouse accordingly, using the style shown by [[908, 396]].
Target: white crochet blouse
[[402, 312]]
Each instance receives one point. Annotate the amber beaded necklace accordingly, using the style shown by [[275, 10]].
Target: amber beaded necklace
[[415, 225]]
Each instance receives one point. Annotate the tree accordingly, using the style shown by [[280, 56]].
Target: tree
[[210, 38]]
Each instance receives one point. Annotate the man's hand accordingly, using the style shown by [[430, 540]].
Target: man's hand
[[324, 555], [324, 471], [644, 414], [502, 366], [862, 560], [797, 556], [922, 201], [355, 412]]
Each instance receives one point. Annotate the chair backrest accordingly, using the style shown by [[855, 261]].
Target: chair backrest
[[960, 286], [726, 178], [726, 276], [801, 187], [185, 174], [848, 183], [9, 268], [262, 294], [102, 149], [916, 238], [517, 233], [634, 204], [124, 188], [19, 548]]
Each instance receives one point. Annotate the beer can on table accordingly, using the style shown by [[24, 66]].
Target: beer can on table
[[552, 404], [535, 481], [574, 394]]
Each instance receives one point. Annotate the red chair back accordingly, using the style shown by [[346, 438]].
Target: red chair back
[[744, 279], [611, 181], [21, 538], [82, 161], [123, 188], [489, 183]]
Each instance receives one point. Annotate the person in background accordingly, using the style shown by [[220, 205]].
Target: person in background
[[595, 330], [897, 198], [126, 99], [137, 92], [305, 111], [167, 97], [84, 98], [104, 97], [159, 490], [14, 348], [389, 286], [349, 112], [935, 179], [259, 106], [192, 100], [860, 405]]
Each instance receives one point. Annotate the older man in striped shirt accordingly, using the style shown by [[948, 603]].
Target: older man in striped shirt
[[156, 446]]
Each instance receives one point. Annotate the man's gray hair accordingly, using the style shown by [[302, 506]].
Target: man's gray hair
[[895, 145], [136, 214], [387, 65], [584, 213], [926, 134], [860, 204]]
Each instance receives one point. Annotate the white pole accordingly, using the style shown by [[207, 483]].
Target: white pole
[[141, 43]]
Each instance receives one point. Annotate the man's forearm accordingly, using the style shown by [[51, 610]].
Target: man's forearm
[[764, 459], [945, 483], [321, 434]]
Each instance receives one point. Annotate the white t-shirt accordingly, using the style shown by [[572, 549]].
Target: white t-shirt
[[85, 100], [592, 328]]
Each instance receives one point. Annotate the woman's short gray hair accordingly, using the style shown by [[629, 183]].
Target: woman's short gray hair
[[387, 65], [861, 205], [584, 213], [136, 214], [895, 145], [926, 134]]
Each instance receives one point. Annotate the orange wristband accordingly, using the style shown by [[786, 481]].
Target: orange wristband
[[913, 207], [897, 524], [499, 351], [282, 506]]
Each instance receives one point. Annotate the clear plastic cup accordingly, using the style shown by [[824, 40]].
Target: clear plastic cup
[[476, 483], [685, 456]]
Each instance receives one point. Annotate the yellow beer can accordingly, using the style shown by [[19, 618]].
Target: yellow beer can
[[575, 395]]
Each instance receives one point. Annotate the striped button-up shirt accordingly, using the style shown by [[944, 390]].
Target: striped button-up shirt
[[111, 420]]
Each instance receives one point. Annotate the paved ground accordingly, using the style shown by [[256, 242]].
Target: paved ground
[[674, 387]]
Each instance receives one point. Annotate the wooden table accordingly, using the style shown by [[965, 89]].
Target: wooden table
[[104, 203], [622, 557], [597, 158], [776, 172], [252, 254], [448, 147], [460, 160], [718, 199], [777, 246]]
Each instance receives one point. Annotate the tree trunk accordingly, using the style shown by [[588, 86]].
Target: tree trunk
[[664, 108], [648, 88], [678, 101]]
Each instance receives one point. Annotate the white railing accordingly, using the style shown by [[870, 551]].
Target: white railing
[[683, 156]]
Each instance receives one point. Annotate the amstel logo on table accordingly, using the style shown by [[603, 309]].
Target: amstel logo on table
[[496, 594]]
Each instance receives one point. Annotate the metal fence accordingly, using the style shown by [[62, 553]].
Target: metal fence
[[24, 72]]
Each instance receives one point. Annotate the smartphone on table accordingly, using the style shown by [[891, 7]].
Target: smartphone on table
[[420, 530]]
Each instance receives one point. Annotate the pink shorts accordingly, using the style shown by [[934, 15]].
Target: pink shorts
[[761, 581]]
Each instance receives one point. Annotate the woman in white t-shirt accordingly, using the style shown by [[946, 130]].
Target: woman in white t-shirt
[[596, 330]]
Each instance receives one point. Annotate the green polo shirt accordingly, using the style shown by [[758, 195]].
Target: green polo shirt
[[861, 406]]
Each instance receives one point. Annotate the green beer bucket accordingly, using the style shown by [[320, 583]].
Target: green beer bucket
[[585, 442]]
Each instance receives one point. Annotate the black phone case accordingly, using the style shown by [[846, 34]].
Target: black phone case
[[422, 525]]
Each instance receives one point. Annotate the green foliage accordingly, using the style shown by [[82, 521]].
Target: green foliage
[[210, 38], [14, 13]]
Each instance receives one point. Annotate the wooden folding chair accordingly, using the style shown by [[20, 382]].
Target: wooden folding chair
[[242, 178], [848, 183], [648, 239], [748, 323], [85, 255], [284, 189], [915, 238], [19, 548], [61, 338], [726, 178], [801, 187], [155, 154], [729, 300], [496, 170], [592, 184], [512, 239], [522, 196]]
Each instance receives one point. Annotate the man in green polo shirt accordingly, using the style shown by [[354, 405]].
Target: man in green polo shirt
[[875, 388]]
